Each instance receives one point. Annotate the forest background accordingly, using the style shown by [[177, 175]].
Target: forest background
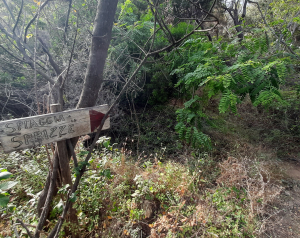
[[204, 107]]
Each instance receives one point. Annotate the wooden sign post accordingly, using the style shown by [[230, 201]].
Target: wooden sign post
[[35, 131]]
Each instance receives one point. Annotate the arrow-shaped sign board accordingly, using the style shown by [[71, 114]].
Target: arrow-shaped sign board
[[35, 131]]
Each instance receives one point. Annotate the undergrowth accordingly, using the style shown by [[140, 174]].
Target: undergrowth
[[149, 197]]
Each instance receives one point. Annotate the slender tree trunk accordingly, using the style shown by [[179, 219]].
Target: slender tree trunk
[[100, 42], [238, 24], [94, 77]]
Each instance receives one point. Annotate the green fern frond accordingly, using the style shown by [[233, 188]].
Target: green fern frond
[[200, 139], [192, 101], [265, 98], [281, 70], [257, 89], [224, 102], [227, 78]]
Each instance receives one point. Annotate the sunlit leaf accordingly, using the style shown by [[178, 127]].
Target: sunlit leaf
[[5, 175], [7, 185]]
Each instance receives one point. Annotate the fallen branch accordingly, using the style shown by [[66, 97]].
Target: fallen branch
[[25, 227]]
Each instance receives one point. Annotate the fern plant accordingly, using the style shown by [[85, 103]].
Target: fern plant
[[189, 122], [230, 70]]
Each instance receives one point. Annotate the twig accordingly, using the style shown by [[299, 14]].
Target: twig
[[34, 62], [187, 35], [33, 19], [10, 12], [25, 227], [18, 17], [49, 195], [51, 60], [272, 31], [67, 21], [160, 24], [71, 57], [55, 231], [206, 30], [16, 231], [73, 153], [137, 124], [48, 156], [11, 54], [6, 102]]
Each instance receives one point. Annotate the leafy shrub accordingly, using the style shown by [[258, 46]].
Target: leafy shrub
[[229, 70]]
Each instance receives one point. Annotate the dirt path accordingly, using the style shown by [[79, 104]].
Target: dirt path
[[286, 224]]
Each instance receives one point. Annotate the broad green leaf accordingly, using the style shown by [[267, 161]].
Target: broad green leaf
[[73, 197], [106, 144], [7, 185], [3, 200], [5, 175]]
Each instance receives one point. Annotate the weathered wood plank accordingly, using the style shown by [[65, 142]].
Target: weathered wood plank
[[35, 131]]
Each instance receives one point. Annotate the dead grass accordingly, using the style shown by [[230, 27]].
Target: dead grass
[[171, 205]]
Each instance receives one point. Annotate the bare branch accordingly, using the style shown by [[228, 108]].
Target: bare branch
[[49, 195], [244, 9], [12, 54], [67, 20], [33, 19], [25, 227], [187, 35], [71, 148], [9, 10], [169, 36], [272, 31], [49, 79], [206, 12], [16, 231], [71, 57], [154, 34], [20, 12], [27, 59], [5, 31], [206, 30], [52, 62]]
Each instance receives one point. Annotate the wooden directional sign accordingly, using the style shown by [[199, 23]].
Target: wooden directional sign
[[34, 131]]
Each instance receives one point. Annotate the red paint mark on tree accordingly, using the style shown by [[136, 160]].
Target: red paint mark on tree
[[95, 119]]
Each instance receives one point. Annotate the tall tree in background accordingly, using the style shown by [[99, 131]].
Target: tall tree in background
[[237, 10]]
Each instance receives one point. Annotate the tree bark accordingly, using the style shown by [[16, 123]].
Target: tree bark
[[100, 42], [94, 76], [64, 177], [238, 20]]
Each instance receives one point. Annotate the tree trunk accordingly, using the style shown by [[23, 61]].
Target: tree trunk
[[238, 24], [100, 42], [64, 177], [94, 77]]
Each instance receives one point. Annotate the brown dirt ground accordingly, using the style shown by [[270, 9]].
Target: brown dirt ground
[[286, 223]]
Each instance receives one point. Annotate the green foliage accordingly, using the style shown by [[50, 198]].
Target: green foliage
[[281, 16], [189, 120], [118, 190], [4, 186], [227, 69], [230, 203]]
